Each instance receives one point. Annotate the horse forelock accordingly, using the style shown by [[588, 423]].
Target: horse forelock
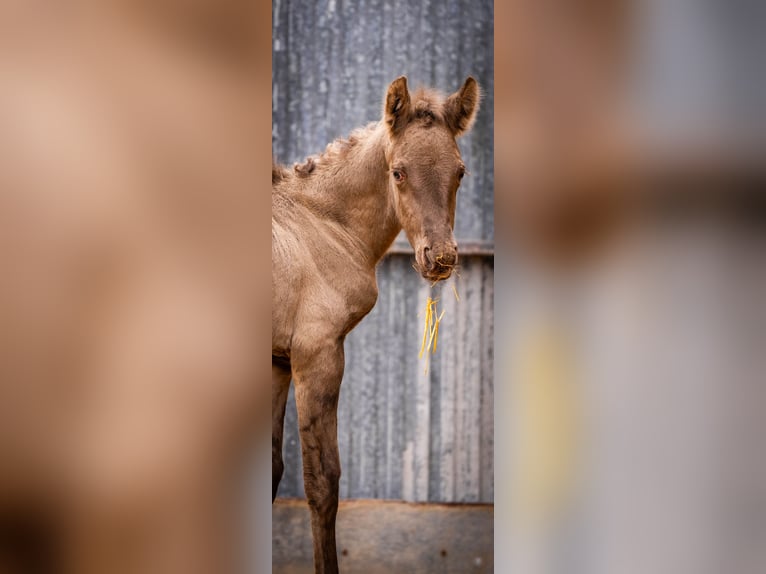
[[428, 106]]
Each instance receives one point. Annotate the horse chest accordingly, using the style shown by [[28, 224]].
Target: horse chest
[[322, 308], [359, 303], [337, 307]]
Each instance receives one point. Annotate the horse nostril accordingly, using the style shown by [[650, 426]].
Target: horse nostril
[[426, 258], [448, 258]]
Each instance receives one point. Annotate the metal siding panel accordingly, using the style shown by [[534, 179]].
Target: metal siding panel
[[486, 421], [394, 347], [470, 381], [361, 363], [421, 434], [447, 357], [292, 482]]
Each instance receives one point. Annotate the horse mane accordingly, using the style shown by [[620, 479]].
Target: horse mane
[[278, 172], [336, 151], [427, 107]]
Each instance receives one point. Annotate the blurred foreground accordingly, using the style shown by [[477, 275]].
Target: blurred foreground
[[631, 288], [129, 293]]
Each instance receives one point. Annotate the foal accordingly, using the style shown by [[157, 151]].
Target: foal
[[333, 219]]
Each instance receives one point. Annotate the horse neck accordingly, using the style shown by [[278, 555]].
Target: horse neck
[[358, 194]]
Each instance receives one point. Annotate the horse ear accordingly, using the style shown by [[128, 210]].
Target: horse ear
[[397, 108], [461, 107]]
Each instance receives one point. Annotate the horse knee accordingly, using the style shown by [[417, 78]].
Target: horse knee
[[322, 487], [323, 503], [331, 477]]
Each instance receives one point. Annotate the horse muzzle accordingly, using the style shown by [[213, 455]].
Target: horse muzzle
[[438, 262]]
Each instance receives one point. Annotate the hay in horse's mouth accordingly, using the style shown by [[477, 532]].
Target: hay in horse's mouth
[[441, 271], [435, 277], [446, 273]]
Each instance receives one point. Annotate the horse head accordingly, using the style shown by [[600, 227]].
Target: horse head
[[425, 168]]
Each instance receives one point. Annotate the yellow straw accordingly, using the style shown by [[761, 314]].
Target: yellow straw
[[431, 327], [455, 292], [430, 303]]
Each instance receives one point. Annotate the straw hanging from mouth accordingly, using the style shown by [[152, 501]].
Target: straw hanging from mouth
[[431, 323]]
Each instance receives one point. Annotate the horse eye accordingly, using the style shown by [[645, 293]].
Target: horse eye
[[398, 175], [461, 173]]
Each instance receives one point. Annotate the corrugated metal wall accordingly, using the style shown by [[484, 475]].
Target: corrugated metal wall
[[403, 434]]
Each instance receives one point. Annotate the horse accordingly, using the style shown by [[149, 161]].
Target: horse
[[334, 216]]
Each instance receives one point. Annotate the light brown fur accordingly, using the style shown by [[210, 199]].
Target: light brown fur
[[334, 216]]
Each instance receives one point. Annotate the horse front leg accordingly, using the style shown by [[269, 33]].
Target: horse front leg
[[317, 387]]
